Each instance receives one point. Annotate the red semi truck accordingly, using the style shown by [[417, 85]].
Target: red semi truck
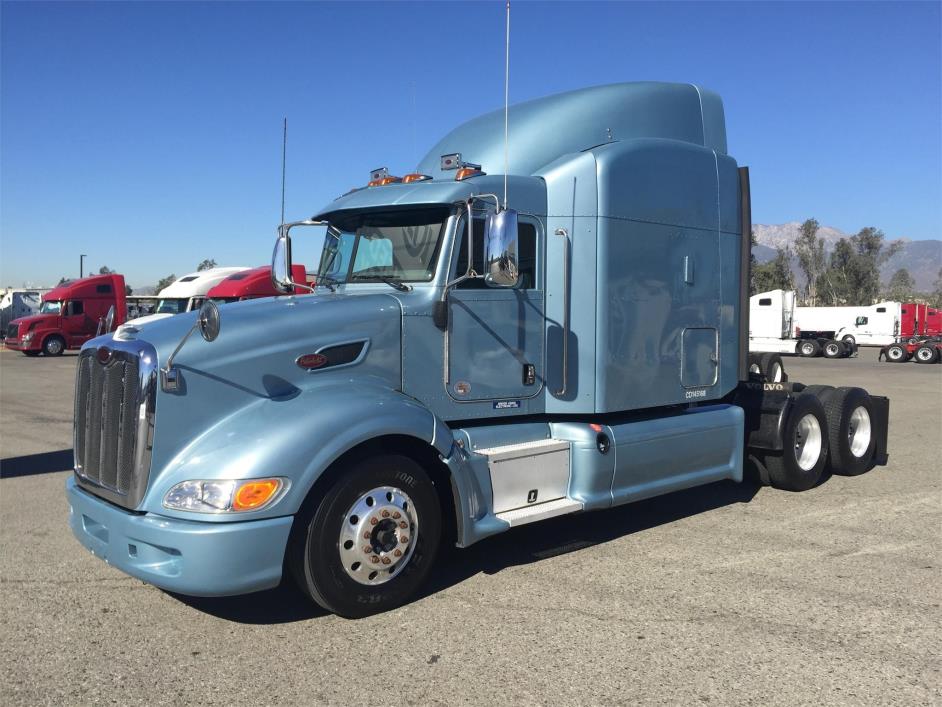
[[252, 284], [69, 315], [919, 320]]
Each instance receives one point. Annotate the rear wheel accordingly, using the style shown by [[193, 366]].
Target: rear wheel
[[772, 367], [834, 349], [896, 353], [800, 464], [927, 354], [54, 346], [852, 442], [370, 542], [809, 348]]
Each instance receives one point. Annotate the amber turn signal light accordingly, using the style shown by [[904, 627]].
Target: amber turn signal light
[[254, 494], [415, 177], [466, 172], [383, 181]]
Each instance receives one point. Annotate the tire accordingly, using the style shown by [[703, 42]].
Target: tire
[[809, 348], [818, 391], [800, 464], [896, 353], [926, 354], [755, 363], [325, 555], [31, 354], [772, 367], [835, 349], [850, 431], [54, 346], [848, 341]]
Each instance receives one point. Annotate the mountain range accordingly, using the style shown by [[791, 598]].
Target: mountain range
[[922, 259]]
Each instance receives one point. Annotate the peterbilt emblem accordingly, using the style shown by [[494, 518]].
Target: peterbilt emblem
[[104, 355], [311, 361]]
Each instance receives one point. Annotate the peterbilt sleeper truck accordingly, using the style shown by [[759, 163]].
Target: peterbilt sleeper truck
[[470, 362], [70, 315]]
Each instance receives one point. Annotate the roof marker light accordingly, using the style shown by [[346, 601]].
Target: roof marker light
[[468, 171], [415, 177]]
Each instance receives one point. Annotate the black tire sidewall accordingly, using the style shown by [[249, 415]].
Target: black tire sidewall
[[784, 471], [326, 579], [840, 405]]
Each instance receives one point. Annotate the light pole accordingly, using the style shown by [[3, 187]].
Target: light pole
[[82, 265]]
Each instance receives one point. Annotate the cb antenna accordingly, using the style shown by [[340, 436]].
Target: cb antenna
[[506, 98], [284, 159]]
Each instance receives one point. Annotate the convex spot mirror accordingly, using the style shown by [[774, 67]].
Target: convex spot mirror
[[208, 320], [500, 249]]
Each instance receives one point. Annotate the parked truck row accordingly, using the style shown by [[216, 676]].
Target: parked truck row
[[470, 362], [777, 324], [72, 313]]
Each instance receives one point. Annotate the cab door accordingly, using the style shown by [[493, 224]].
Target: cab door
[[77, 325], [495, 335]]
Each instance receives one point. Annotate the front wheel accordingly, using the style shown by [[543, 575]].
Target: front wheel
[[849, 341], [371, 541], [54, 346]]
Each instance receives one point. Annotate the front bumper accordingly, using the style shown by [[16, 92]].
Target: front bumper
[[20, 345], [188, 557]]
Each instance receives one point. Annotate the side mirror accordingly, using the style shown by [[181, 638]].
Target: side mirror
[[208, 320], [281, 265], [500, 249], [109, 319]]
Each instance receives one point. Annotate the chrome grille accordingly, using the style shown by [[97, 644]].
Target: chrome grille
[[113, 423]]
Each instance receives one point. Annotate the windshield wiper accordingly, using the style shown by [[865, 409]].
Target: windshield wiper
[[392, 281]]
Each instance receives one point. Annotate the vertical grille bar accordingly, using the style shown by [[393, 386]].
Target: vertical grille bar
[[127, 429]]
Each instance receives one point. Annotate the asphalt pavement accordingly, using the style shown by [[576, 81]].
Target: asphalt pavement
[[723, 594]]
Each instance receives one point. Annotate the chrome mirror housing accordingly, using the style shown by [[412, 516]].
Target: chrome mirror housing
[[208, 320], [109, 319], [500, 249], [281, 264]]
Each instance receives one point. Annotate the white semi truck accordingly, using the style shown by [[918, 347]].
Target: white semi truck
[[775, 328]]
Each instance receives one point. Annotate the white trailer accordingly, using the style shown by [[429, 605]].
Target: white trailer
[[774, 327], [874, 325]]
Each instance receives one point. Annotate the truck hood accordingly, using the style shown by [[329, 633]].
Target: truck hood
[[25, 322], [253, 362]]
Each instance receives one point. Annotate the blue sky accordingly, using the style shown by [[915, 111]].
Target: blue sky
[[149, 135]]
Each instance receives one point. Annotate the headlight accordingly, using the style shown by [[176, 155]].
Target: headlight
[[27, 337], [225, 496]]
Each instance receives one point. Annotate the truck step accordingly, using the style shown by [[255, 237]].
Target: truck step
[[540, 511], [523, 449]]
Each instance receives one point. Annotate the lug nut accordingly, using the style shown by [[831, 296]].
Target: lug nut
[[386, 560], [397, 552], [385, 514], [403, 525], [404, 539], [366, 535], [397, 515], [367, 549], [374, 559], [373, 521]]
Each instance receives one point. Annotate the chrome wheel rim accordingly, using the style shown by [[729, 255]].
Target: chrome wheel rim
[[831, 349], [377, 535], [895, 353], [807, 442], [54, 346], [859, 431], [924, 354], [807, 349], [776, 373], [754, 368]]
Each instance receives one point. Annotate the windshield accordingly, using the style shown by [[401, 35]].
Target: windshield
[[176, 305], [390, 245], [224, 300], [51, 307]]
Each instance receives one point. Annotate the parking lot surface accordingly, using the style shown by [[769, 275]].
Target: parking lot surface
[[723, 594]]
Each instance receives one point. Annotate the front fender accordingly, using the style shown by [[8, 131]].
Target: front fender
[[296, 438]]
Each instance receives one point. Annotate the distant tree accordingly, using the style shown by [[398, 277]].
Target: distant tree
[[835, 280], [775, 274], [901, 287], [935, 297], [162, 283], [105, 270], [128, 290], [853, 273], [810, 251], [62, 280], [206, 265]]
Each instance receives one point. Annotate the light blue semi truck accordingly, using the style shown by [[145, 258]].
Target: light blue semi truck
[[472, 359]]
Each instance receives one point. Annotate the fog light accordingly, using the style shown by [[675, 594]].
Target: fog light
[[224, 495]]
